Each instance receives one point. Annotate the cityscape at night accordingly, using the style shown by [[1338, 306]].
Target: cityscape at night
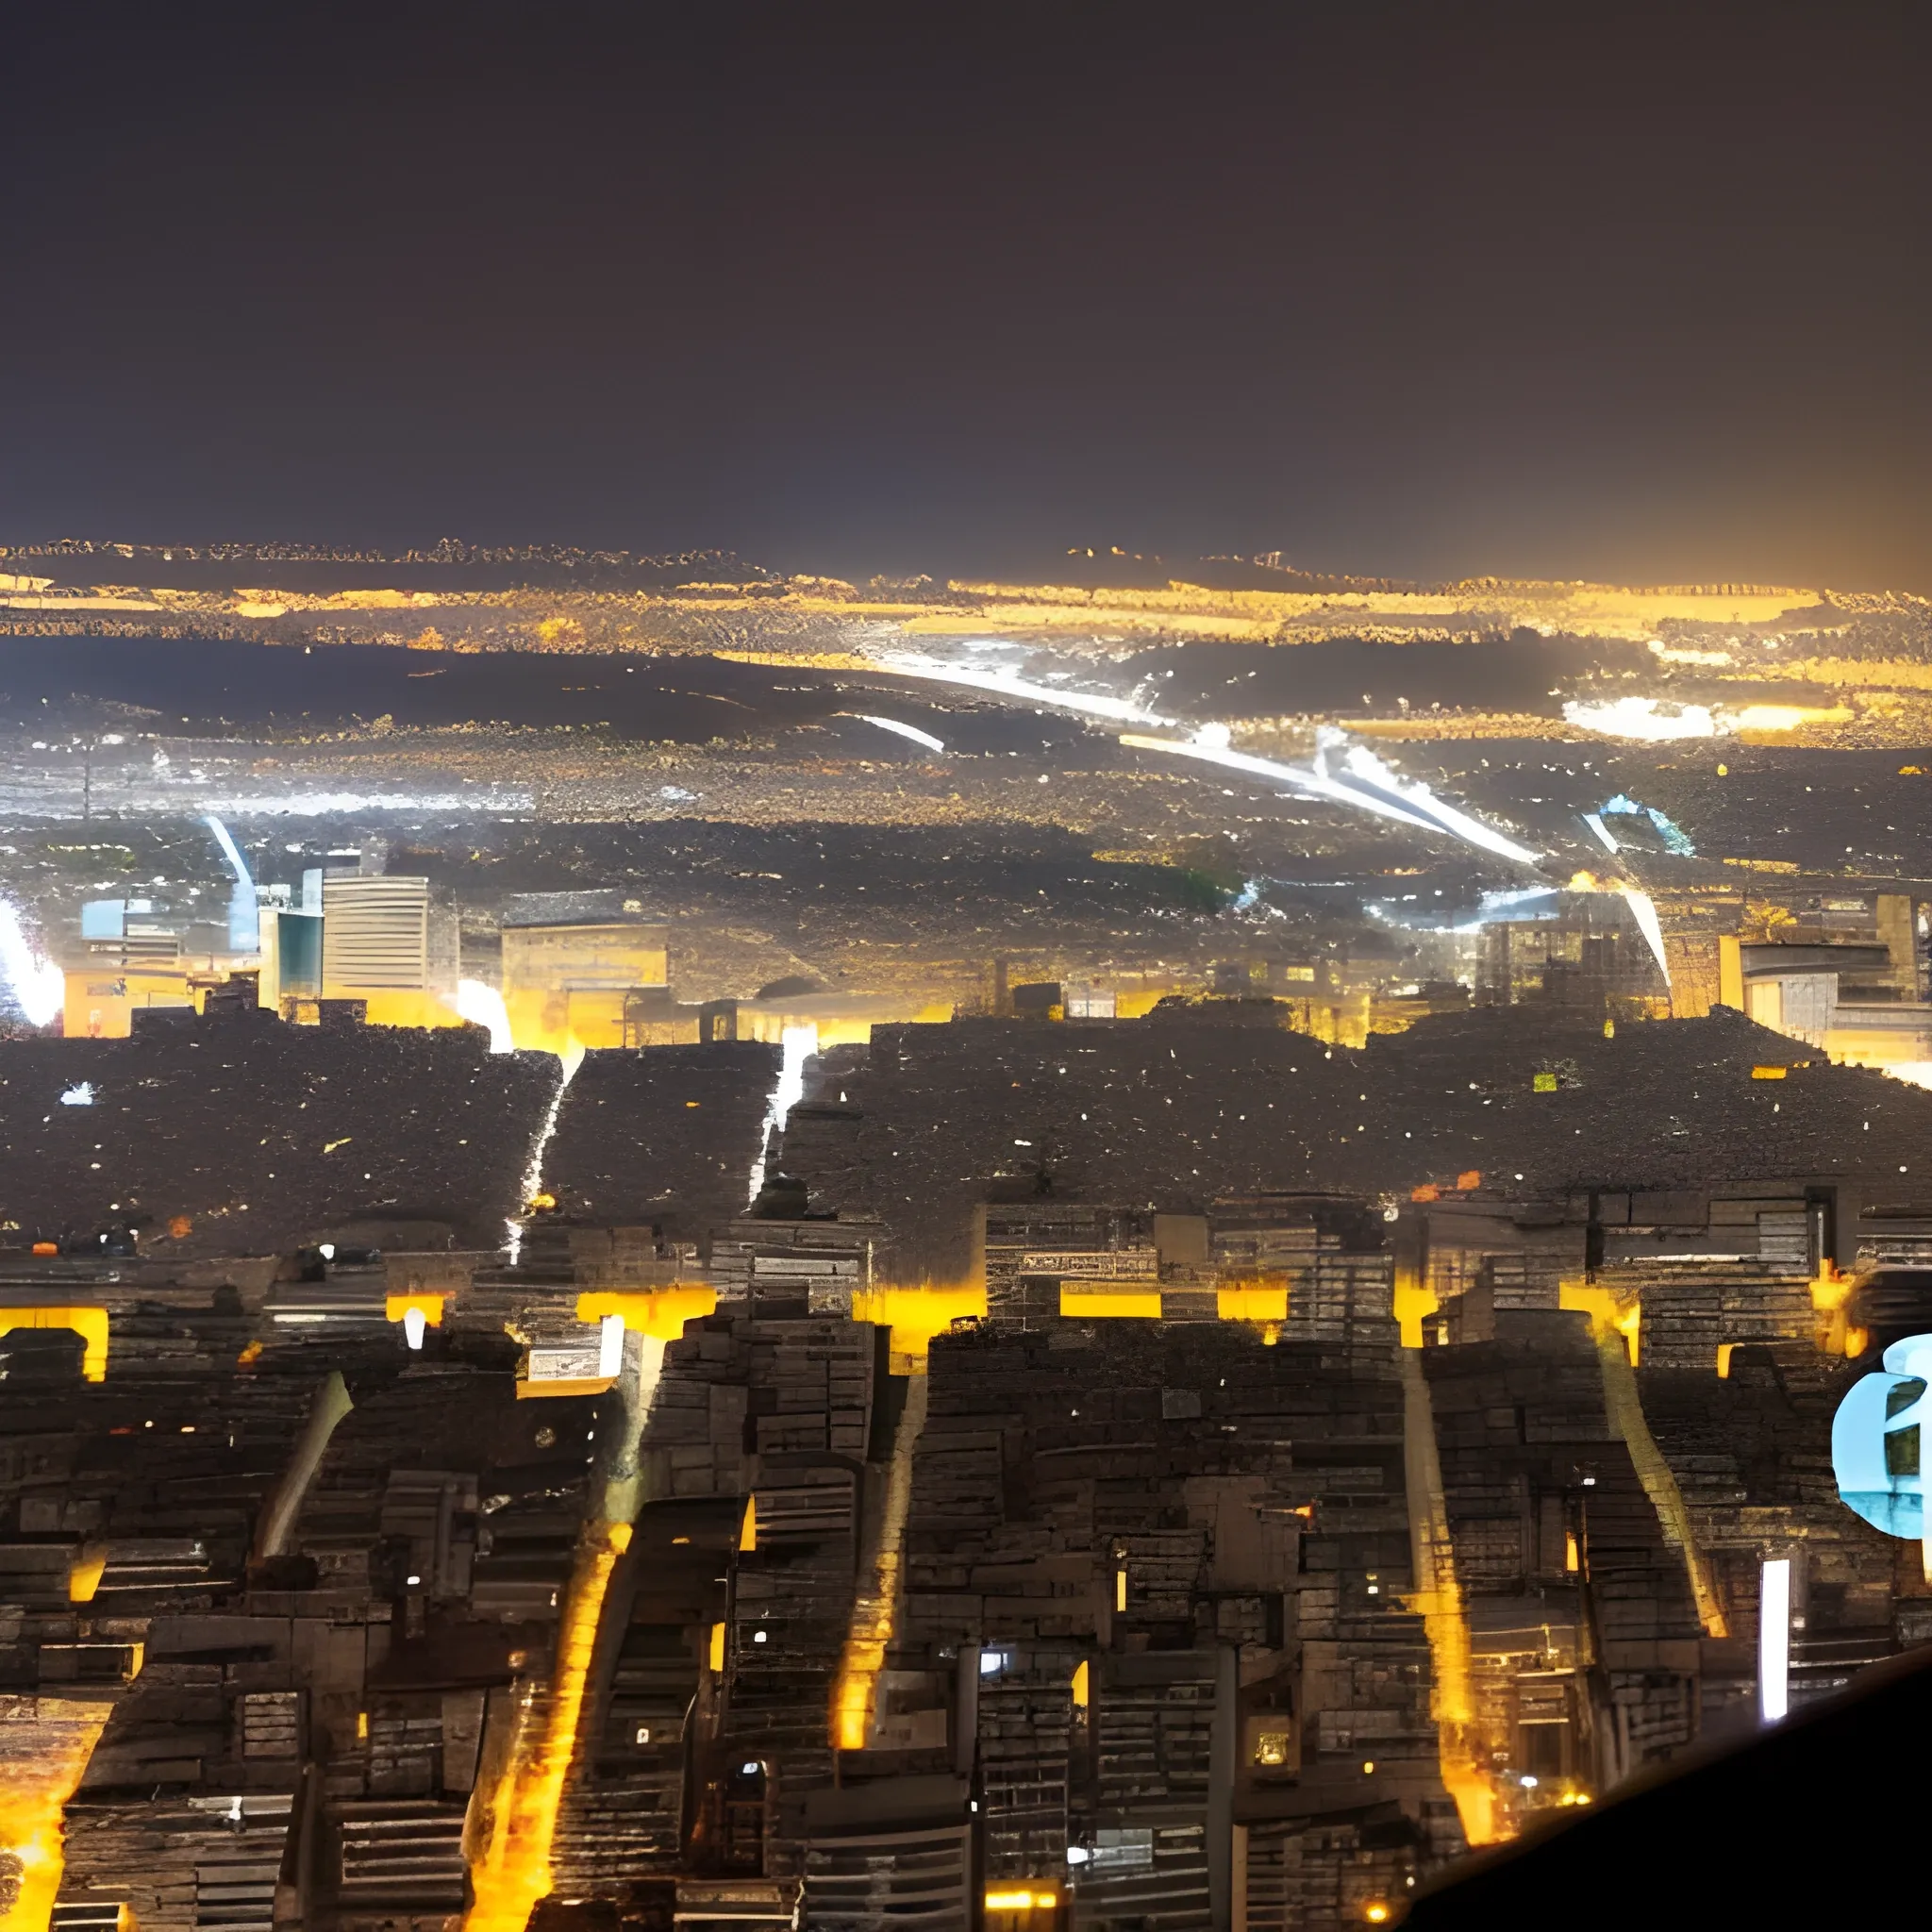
[[1090, 1091]]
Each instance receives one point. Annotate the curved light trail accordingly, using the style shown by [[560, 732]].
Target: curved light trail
[[907, 731], [1370, 787], [244, 935]]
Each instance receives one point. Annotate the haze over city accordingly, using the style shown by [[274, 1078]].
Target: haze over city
[[966, 971]]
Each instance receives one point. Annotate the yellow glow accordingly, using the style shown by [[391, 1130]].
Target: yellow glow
[[1573, 1557], [428, 1305], [1120, 1590], [1438, 1598], [84, 1578], [1376, 1914], [562, 1385], [1613, 1326], [1021, 1899], [1253, 1301], [513, 1872], [1789, 716], [659, 1313], [1079, 1689], [915, 1315], [39, 1774], [1415, 1302], [1724, 1351], [91, 1325], [748, 1529], [1831, 1326], [854, 1692], [1770, 1073], [716, 1654], [1110, 1304], [1605, 1311]]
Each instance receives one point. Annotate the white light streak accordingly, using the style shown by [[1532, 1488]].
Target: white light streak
[[229, 851], [1601, 831], [909, 731], [38, 986], [244, 932], [415, 1325], [1365, 765], [483, 1005], [1395, 798], [611, 1345], [798, 1043], [1774, 1639], [1314, 782], [1643, 910], [1403, 800], [533, 1173], [1008, 684]]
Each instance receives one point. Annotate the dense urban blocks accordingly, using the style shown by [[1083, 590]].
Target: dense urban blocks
[[234, 1134]]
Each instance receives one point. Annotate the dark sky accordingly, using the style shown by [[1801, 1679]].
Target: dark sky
[[1566, 290]]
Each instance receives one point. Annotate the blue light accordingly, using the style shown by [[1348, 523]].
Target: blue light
[[1879, 1471]]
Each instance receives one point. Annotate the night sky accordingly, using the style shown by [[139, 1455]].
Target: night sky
[[1564, 290]]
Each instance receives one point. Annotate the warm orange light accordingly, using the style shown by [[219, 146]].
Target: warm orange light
[[36, 1782], [513, 1870], [874, 1609]]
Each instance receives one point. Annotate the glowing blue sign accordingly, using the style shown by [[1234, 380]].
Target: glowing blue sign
[[1875, 1441]]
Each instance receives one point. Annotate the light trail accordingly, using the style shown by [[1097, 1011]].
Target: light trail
[[244, 931], [1008, 684], [513, 1870], [854, 1692], [511, 1855], [1365, 765], [1310, 782], [799, 1044], [1643, 910], [533, 1173], [1376, 788], [1393, 798], [909, 731]]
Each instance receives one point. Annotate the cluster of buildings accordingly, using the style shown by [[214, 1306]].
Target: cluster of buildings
[[1030, 1472]]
